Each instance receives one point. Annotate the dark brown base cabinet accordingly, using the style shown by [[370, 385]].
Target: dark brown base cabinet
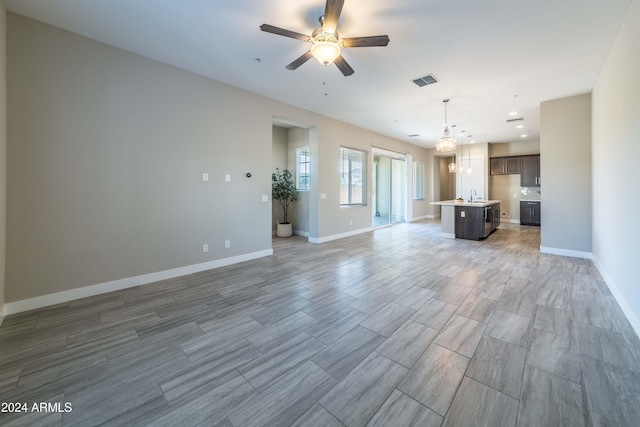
[[476, 222], [530, 213]]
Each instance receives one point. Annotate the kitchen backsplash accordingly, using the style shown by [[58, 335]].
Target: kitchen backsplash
[[529, 193]]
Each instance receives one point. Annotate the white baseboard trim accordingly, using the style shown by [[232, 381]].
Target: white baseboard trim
[[128, 282], [419, 218], [513, 221], [448, 235], [301, 233], [339, 236], [2, 313], [622, 302], [566, 252]]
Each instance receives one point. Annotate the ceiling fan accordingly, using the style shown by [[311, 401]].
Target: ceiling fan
[[326, 44]]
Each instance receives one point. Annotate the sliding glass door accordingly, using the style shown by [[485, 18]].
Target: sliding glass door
[[389, 189]]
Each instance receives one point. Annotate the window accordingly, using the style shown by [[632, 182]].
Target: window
[[418, 181], [302, 158], [353, 187]]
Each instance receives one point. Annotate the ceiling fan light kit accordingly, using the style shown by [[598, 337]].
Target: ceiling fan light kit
[[326, 45]]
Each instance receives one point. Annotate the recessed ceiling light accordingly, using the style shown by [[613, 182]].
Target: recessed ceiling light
[[524, 135], [513, 113], [519, 126], [473, 142]]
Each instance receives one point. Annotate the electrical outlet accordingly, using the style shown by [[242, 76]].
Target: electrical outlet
[[205, 248], [227, 178], [227, 244], [205, 176]]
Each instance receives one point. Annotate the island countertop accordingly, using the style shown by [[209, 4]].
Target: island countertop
[[475, 203]]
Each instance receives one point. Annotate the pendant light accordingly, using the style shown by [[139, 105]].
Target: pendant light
[[453, 167], [446, 143]]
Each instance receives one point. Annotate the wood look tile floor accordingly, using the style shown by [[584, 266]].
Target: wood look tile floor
[[396, 327]]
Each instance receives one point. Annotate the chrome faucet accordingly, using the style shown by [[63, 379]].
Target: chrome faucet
[[473, 191]]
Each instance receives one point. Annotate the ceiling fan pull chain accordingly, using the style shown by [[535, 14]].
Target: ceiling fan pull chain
[[325, 86]]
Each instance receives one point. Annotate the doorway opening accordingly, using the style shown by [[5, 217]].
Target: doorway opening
[[389, 187]]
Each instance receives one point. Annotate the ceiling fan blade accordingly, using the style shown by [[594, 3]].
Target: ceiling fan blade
[[298, 62], [282, 32], [332, 11], [365, 41], [343, 66]]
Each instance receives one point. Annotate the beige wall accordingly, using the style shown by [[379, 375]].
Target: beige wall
[[616, 173], [3, 152], [447, 180], [516, 148], [565, 171], [107, 153]]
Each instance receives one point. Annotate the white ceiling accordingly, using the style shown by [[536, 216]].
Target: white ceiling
[[491, 56]]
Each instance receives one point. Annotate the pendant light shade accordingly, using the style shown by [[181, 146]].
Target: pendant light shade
[[453, 167], [446, 143]]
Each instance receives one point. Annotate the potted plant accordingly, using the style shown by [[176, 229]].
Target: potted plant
[[283, 189]]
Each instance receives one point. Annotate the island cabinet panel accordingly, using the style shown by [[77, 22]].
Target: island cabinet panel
[[530, 213], [530, 171], [469, 222]]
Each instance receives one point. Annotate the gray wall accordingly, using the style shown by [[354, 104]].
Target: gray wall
[[107, 151], [107, 154], [3, 151], [616, 173], [565, 171]]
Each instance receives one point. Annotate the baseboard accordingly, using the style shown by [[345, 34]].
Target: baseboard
[[566, 252], [622, 302], [129, 282], [301, 233], [448, 235], [419, 218], [339, 236], [513, 221]]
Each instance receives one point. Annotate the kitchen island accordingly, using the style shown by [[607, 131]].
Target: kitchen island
[[473, 220]]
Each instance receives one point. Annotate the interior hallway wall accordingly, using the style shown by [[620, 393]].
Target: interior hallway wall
[[278, 161], [565, 161], [615, 153]]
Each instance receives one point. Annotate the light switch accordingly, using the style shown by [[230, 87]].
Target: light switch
[[227, 178], [265, 198], [323, 196], [462, 214], [205, 176]]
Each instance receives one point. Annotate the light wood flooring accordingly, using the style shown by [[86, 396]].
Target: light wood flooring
[[397, 327]]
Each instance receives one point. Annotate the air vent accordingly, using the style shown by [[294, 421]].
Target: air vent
[[426, 80], [519, 119]]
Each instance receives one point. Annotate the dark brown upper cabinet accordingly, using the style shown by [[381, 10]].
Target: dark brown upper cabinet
[[530, 171], [505, 165]]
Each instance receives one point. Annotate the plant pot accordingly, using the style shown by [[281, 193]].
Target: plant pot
[[284, 230]]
